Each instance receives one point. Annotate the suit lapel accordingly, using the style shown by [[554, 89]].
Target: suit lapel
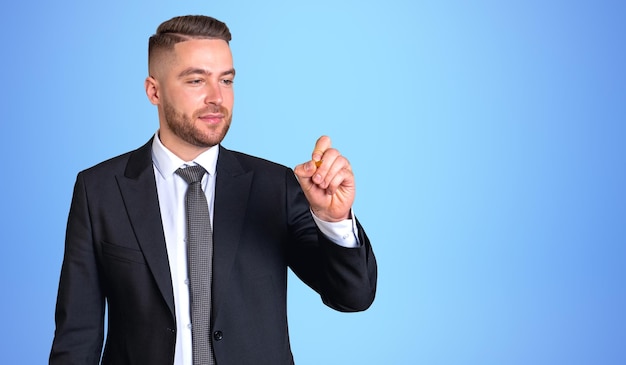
[[232, 188], [138, 189]]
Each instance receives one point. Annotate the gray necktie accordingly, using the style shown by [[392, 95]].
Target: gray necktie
[[199, 261]]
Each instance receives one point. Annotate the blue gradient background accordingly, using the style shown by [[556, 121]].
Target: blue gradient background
[[487, 137]]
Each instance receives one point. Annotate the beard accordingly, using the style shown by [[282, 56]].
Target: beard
[[185, 128]]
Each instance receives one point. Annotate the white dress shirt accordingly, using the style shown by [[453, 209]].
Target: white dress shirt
[[171, 190]]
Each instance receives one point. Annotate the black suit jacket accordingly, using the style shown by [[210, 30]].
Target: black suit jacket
[[115, 252]]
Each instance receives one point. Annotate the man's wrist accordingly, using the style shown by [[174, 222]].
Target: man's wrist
[[342, 233]]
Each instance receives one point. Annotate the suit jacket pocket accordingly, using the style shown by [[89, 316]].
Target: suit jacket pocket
[[119, 253]]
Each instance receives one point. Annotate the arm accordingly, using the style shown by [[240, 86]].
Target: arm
[[80, 306], [344, 277], [351, 274]]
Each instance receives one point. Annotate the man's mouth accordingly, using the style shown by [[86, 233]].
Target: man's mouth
[[211, 117]]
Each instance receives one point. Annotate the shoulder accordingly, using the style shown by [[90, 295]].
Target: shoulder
[[112, 164], [136, 160], [231, 159]]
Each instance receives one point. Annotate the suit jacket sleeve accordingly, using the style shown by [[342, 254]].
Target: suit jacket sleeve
[[80, 303], [345, 278]]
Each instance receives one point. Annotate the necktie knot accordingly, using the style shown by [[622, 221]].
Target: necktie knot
[[191, 174]]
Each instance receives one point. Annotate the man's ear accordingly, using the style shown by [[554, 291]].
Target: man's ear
[[152, 90]]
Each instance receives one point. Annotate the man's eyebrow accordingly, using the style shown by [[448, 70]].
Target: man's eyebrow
[[201, 71], [228, 72]]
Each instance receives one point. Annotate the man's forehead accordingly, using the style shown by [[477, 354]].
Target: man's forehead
[[202, 53]]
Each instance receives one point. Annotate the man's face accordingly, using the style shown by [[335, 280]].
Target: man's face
[[194, 92]]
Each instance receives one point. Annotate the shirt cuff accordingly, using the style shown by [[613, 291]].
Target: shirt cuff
[[343, 233]]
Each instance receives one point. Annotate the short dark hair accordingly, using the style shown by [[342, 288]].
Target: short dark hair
[[183, 28]]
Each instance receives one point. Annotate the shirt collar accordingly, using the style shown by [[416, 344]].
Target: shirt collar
[[166, 162]]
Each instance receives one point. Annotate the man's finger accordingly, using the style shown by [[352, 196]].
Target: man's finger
[[305, 170], [323, 143]]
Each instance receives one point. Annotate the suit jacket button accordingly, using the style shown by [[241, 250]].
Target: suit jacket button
[[218, 335]]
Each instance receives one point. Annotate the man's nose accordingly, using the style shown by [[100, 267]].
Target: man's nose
[[213, 94]]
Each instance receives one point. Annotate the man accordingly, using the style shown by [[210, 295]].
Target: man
[[129, 230]]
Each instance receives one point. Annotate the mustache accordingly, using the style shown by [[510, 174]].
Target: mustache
[[212, 109]]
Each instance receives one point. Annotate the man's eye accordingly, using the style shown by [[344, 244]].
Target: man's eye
[[227, 82], [195, 81]]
